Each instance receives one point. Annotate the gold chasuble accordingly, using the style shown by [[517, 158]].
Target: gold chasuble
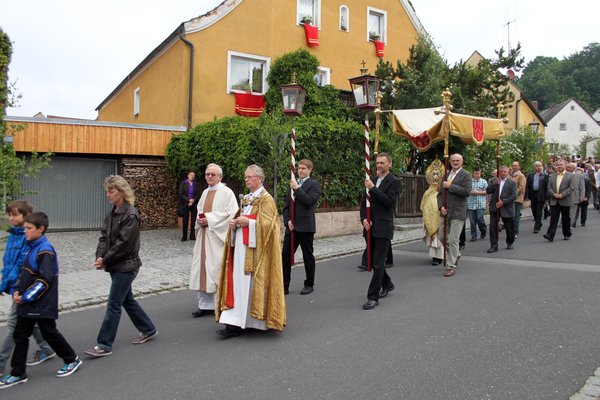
[[263, 264]]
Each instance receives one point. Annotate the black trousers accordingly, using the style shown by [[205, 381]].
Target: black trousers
[[557, 212], [23, 332], [537, 209], [509, 226], [380, 278], [583, 208], [305, 241], [193, 210], [389, 258]]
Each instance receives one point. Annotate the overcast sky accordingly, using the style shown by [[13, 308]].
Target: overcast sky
[[69, 55]]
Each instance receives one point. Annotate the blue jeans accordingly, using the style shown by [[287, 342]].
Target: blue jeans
[[120, 295], [477, 220]]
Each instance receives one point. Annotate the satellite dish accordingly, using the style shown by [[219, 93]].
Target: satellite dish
[[511, 74]]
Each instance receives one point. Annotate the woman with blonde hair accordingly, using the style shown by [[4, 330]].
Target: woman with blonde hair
[[118, 254]]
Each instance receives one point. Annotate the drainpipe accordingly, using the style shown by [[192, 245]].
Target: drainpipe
[[191, 80], [517, 111]]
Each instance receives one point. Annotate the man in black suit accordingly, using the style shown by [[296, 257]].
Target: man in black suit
[[383, 192], [452, 202], [560, 187], [503, 195], [535, 191], [306, 193], [189, 195]]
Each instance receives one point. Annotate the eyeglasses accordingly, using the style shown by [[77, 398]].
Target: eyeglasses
[[210, 174], [250, 176]]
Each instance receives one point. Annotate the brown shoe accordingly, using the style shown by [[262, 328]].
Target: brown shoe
[[449, 272]]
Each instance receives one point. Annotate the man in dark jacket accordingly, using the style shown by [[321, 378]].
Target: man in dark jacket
[[503, 193], [535, 191], [306, 193], [117, 254], [383, 195], [189, 195]]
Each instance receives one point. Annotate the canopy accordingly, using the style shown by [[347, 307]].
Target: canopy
[[422, 127]]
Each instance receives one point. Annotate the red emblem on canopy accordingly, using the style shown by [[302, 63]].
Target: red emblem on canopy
[[478, 130]]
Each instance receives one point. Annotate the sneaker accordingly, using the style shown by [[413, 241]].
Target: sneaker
[[38, 357], [144, 337], [68, 369], [9, 380], [97, 352]]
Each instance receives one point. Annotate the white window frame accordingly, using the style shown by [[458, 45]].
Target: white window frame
[[383, 13], [347, 22], [562, 126], [325, 72], [250, 57], [582, 127], [316, 18], [136, 101]]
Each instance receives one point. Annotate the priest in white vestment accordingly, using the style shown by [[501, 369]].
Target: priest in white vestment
[[216, 208], [250, 290]]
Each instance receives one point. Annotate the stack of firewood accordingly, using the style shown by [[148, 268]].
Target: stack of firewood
[[155, 191]]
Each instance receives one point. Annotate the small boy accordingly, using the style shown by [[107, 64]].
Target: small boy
[[36, 296], [14, 255]]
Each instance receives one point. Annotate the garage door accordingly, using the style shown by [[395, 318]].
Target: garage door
[[71, 192]]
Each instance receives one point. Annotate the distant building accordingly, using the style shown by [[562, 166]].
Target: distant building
[[568, 123]]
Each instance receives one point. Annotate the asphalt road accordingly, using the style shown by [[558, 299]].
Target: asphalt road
[[520, 324]]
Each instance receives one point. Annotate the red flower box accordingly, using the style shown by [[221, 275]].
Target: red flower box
[[249, 105], [379, 47], [312, 35]]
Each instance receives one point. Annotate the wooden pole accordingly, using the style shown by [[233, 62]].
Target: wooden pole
[[367, 196], [292, 197]]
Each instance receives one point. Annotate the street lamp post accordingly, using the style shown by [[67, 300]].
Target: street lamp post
[[293, 96], [365, 89]]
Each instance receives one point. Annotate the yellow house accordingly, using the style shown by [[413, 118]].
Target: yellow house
[[193, 74], [521, 112]]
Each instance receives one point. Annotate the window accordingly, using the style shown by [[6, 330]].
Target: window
[[344, 18], [323, 76], [562, 127], [247, 72], [136, 102], [583, 127], [309, 8], [572, 108], [376, 23]]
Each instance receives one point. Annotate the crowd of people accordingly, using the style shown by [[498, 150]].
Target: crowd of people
[[240, 270], [562, 190]]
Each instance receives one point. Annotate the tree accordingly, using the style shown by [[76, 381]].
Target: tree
[[12, 167], [549, 80]]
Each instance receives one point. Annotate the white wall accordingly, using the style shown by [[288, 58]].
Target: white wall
[[573, 115]]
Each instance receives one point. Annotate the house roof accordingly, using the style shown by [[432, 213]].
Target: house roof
[[551, 112]]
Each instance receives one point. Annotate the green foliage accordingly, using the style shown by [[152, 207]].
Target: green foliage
[[323, 101], [551, 81], [232, 142], [5, 56]]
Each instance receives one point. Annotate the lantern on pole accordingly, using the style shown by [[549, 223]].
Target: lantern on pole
[[293, 96], [365, 89]]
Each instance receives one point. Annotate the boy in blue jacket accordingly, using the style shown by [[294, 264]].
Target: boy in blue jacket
[[14, 255], [36, 296]]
